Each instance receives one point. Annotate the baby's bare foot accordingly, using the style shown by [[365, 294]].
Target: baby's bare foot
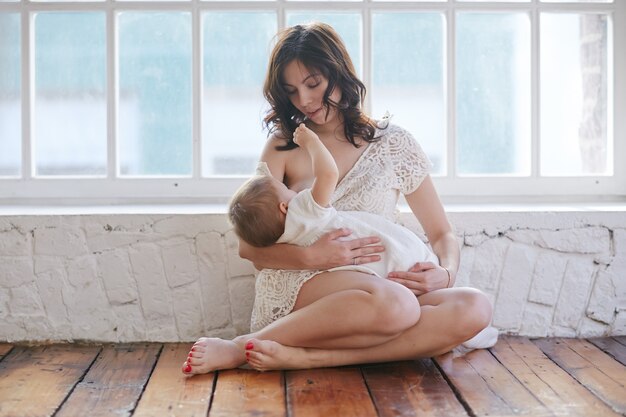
[[267, 355], [211, 354]]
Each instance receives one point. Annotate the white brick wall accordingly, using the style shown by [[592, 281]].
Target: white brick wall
[[147, 277]]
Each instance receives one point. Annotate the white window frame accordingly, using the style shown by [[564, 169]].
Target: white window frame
[[197, 189]]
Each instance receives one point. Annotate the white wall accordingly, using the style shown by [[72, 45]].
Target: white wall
[[175, 277]]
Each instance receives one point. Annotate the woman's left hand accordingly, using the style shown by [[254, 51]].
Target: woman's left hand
[[421, 278]]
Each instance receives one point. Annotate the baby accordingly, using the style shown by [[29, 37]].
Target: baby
[[264, 211]]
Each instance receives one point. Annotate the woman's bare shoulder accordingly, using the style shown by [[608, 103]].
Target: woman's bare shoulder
[[276, 160]]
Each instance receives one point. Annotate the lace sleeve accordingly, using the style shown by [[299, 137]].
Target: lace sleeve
[[410, 163]]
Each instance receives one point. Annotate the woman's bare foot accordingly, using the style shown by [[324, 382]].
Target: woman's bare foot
[[267, 355], [211, 354]]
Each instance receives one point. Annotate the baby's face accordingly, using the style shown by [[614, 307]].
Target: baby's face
[[284, 194]]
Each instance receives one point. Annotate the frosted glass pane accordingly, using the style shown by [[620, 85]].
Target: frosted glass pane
[[236, 47], [155, 113], [578, 1], [347, 25], [10, 95], [574, 88], [70, 92], [493, 94], [408, 77]]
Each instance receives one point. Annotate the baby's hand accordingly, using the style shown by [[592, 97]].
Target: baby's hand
[[303, 135]]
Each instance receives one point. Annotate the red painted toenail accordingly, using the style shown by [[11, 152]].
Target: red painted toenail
[[247, 354], [249, 346], [188, 368], [193, 349]]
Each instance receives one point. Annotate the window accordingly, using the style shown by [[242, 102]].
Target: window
[[154, 101]]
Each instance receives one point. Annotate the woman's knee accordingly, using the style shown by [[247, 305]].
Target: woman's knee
[[474, 311], [396, 307]]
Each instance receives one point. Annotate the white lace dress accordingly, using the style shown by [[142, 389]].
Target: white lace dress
[[395, 164]]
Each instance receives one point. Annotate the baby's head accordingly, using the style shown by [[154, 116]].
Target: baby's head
[[257, 210]]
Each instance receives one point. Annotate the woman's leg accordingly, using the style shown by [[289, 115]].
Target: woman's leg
[[449, 317], [343, 309]]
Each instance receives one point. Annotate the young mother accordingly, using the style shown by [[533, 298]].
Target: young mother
[[305, 315]]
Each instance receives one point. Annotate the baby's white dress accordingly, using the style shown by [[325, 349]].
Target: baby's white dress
[[392, 165], [307, 221]]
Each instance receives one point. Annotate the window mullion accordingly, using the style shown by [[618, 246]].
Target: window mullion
[[451, 93], [27, 87], [535, 92], [112, 88], [366, 52], [196, 91]]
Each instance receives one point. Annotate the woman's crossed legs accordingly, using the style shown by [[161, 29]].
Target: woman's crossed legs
[[346, 317]]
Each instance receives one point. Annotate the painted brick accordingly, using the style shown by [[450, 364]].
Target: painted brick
[[130, 325], [45, 263], [537, 320], [14, 243], [61, 241], [154, 293], [602, 302], [241, 300], [585, 240], [488, 262], [188, 312], [211, 251], [236, 266], [25, 301], [50, 286], [475, 239], [116, 273], [618, 328], [547, 278], [592, 328], [5, 297], [16, 271], [180, 262], [514, 287], [465, 267], [574, 293]]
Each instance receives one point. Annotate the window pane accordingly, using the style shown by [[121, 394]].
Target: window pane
[[155, 114], [347, 25], [577, 1], [408, 77], [235, 53], [10, 95], [574, 137], [493, 93], [70, 94]]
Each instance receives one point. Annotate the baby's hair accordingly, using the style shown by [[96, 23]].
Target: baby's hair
[[253, 212]]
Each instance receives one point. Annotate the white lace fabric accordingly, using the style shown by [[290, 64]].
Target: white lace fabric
[[394, 164]]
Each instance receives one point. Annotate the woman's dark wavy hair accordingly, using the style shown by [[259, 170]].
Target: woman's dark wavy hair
[[319, 48]]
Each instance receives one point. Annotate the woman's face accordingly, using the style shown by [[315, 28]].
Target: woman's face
[[306, 90]]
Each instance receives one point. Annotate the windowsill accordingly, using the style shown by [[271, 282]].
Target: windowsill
[[187, 209]]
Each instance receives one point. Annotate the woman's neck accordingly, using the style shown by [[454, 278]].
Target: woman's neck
[[331, 128]]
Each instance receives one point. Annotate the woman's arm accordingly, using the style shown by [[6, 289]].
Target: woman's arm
[[426, 277], [327, 252]]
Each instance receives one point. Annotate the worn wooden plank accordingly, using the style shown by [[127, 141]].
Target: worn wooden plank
[[5, 348], [545, 380], [611, 347], [244, 392], [487, 387], [114, 383], [170, 393], [414, 388], [600, 373], [328, 392], [34, 381]]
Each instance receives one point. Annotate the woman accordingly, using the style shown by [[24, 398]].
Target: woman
[[307, 315]]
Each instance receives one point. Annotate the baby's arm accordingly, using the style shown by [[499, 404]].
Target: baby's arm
[[324, 166]]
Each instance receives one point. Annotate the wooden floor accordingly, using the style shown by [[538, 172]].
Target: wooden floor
[[543, 377]]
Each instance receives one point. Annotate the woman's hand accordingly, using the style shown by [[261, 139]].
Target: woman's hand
[[422, 277], [332, 250]]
